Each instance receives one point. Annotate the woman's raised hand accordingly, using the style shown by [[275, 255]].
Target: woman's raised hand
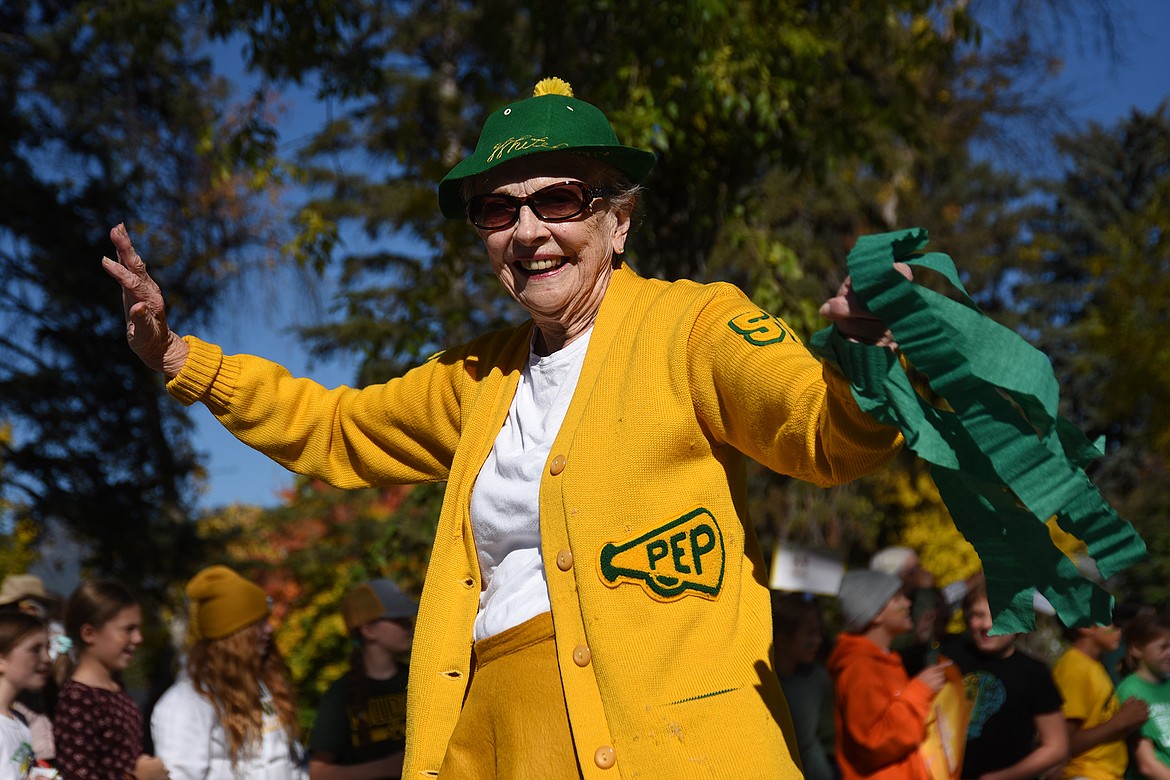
[[152, 340], [853, 320]]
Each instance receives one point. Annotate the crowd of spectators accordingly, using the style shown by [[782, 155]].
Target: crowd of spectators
[[229, 712], [865, 704], [870, 703]]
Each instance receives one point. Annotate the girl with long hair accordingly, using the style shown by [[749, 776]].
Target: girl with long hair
[[24, 665], [96, 725], [232, 714]]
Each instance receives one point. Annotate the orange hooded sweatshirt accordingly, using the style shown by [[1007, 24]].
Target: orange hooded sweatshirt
[[880, 713]]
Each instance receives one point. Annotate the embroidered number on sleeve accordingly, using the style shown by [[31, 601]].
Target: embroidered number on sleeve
[[758, 329]]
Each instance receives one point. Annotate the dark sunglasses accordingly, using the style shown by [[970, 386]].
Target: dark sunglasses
[[554, 203]]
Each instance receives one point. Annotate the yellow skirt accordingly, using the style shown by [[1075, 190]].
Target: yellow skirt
[[514, 723]]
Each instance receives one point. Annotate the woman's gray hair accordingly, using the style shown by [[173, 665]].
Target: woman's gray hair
[[623, 195]]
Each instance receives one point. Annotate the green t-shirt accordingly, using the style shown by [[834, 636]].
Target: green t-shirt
[[336, 731], [1157, 726]]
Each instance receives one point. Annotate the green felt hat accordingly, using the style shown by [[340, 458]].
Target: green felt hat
[[551, 120]]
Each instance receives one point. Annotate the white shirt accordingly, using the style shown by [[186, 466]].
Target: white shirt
[[16, 754], [505, 503], [192, 744]]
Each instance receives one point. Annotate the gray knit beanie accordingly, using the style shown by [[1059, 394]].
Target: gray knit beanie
[[863, 594]]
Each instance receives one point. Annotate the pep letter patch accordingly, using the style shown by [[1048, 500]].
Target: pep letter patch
[[683, 557]]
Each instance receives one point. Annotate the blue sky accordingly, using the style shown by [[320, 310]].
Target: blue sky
[[1101, 90]]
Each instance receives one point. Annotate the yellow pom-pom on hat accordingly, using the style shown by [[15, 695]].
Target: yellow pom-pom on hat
[[223, 602], [552, 86]]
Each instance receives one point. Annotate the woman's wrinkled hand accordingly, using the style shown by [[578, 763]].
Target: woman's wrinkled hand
[[147, 331], [853, 320]]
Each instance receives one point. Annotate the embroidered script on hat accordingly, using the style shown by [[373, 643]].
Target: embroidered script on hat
[[520, 144]]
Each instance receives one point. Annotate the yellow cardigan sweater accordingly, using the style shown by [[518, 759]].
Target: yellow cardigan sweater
[[658, 589]]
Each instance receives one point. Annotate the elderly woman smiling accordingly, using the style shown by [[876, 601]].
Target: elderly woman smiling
[[596, 602]]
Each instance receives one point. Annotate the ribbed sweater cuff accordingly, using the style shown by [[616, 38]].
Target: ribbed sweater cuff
[[197, 380], [863, 364]]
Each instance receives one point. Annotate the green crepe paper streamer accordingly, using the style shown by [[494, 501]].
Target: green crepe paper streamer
[[1002, 457], [981, 350]]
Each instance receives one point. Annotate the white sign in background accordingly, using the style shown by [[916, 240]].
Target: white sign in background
[[806, 571]]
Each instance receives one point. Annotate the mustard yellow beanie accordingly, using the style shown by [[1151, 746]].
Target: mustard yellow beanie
[[223, 602]]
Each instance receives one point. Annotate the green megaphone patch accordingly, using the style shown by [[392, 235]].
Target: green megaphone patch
[[683, 557]]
